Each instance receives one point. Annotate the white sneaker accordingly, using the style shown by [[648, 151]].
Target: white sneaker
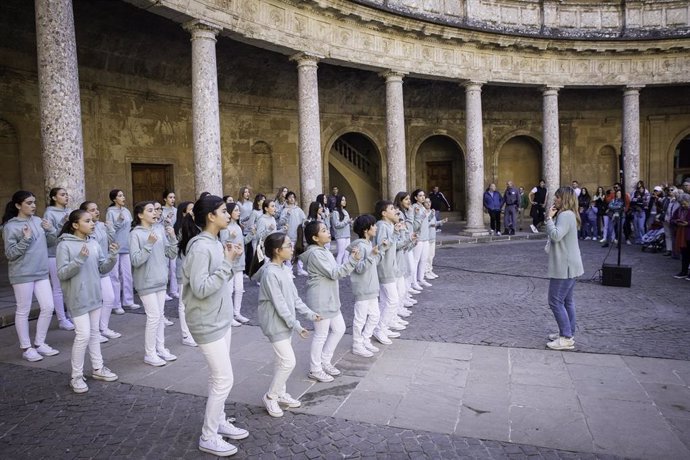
[[111, 334], [603, 240], [241, 319], [392, 334], [410, 302], [119, 311], [46, 350], [31, 355], [289, 401], [155, 361], [134, 306], [396, 327], [382, 338], [431, 276], [320, 376], [498, 233], [370, 346], [235, 323], [402, 322], [272, 406], [174, 295], [330, 369], [534, 229], [167, 322], [561, 343], [104, 374], [217, 446], [228, 430], [404, 312], [417, 287], [166, 355], [361, 351], [102, 338], [303, 273], [587, 238], [78, 385], [413, 291], [189, 341], [425, 283], [168, 298], [66, 324]]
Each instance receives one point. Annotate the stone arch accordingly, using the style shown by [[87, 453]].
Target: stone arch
[[438, 159], [10, 169], [608, 162], [518, 157], [677, 174], [353, 162]]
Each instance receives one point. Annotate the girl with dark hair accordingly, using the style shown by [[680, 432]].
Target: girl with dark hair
[[404, 206], [257, 211], [120, 218], [322, 199], [233, 234], [315, 212], [57, 213], [184, 209], [81, 262], [278, 301], [150, 245], [168, 219], [280, 199], [292, 218], [207, 270], [245, 204], [265, 224], [26, 249], [323, 297], [340, 221], [421, 228], [104, 236]]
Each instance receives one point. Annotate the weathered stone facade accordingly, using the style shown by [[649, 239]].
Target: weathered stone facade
[[135, 74]]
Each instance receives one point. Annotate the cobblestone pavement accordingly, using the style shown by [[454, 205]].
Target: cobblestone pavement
[[495, 294], [41, 418]]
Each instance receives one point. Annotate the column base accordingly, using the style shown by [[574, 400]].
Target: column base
[[475, 231]]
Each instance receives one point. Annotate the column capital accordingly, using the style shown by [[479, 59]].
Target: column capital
[[550, 90], [202, 29], [632, 89], [473, 85], [392, 75], [306, 59]]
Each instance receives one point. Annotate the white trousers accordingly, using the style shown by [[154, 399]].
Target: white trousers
[[389, 301], [154, 334], [121, 276], [430, 257], [172, 276], [220, 380], [421, 254], [108, 301], [237, 291], [366, 317], [58, 300], [86, 334], [181, 314], [341, 244], [284, 364], [411, 268], [403, 293], [327, 334], [23, 294]]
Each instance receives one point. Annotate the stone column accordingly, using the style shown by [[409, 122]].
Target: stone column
[[62, 144], [310, 160], [551, 147], [631, 136], [208, 167], [396, 158], [474, 159]]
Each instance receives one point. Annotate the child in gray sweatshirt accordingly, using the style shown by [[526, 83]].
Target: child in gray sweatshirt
[[26, 249], [57, 213], [234, 234], [120, 218], [80, 264]]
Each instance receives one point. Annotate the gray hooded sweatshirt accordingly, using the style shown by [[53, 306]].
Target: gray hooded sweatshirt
[[80, 277], [226, 236], [104, 235], [278, 301], [206, 292], [149, 267], [121, 227], [293, 217], [57, 218], [365, 278], [340, 224], [323, 290], [388, 266], [27, 259]]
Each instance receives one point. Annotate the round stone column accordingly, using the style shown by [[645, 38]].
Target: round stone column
[[551, 147], [631, 136], [62, 144], [310, 161], [208, 167], [474, 159], [396, 158]]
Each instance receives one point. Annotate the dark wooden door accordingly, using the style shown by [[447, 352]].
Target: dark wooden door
[[440, 174], [149, 181]]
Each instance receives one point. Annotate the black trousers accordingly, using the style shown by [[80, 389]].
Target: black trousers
[[495, 219], [537, 214]]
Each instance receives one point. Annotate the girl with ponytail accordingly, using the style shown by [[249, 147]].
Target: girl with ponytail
[[57, 213]]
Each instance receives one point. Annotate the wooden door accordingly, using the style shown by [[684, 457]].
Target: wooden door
[[149, 181], [440, 174]]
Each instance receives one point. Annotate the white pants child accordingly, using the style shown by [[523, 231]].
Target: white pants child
[[86, 334], [172, 275], [342, 244], [324, 342], [58, 301], [389, 300], [154, 334], [220, 380], [181, 313], [401, 287], [366, 317], [237, 291], [108, 301], [411, 268], [430, 258], [121, 276], [284, 364], [421, 254], [23, 294]]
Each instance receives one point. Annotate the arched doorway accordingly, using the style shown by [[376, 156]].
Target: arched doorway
[[354, 166], [440, 162], [10, 172], [519, 160], [681, 161]]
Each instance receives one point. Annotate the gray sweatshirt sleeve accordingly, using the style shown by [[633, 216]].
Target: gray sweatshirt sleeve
[[15, 244], [170, 247], [67, 268], [325, 265], [201, 282], [138, 253], [51, 236], [106, 262], [275, 296], [337, 223]]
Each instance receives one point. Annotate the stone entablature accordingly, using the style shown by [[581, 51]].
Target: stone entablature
[[580, 19], [359, 36]]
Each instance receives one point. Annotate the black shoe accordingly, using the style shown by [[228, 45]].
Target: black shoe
[[605, 245], [680, 276]]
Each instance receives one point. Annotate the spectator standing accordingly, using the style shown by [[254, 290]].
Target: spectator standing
[[524, 204], [438, 202], [669, 207], [511, 200], [583, 200], [492, 203], [537, 197], [332, 199], [680, 219]]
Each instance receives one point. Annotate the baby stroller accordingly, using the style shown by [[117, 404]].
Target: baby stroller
[[654, 239]]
